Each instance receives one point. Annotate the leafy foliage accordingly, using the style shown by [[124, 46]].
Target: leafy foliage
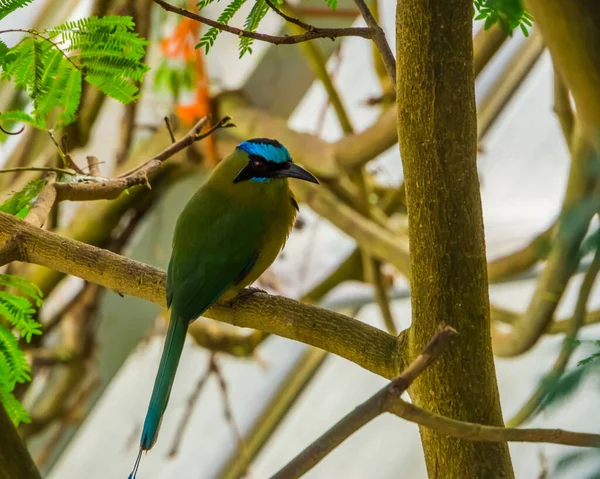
[[19, 203], [9, 6], [208, 39], [17, 312], [510, 14], [51, 65], [258, 12]]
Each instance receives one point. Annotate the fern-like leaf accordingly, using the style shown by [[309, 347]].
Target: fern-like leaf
[[257, 13], [16, 311], [108, 50], [23, 285], [15, 410], [21, 199], [9, 6], [208, 39], [205, 3]]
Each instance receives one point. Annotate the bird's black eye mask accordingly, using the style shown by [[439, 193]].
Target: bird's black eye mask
[[261, 170]]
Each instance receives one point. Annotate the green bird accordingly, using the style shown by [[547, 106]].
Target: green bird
[[227, 235]]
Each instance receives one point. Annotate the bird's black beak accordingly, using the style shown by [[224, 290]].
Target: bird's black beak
[[295, 171]]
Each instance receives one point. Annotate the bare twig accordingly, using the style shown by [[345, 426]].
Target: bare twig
[[227, 410], [290, 19], [168, 123], [189, 407], [379, 39], [389, 399], [46, 169], [331, 33], [12, 133], [93, 165], [480, 432], [112, 188], [367, 411], [532, 405]]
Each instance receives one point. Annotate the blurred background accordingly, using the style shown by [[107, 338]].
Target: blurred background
[[251, 406]]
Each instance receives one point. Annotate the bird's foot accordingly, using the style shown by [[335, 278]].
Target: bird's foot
[[247, 293]]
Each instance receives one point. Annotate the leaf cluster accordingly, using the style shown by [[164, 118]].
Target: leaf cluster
[[17, 322], [51, 65], [253, 19], [510, 14]]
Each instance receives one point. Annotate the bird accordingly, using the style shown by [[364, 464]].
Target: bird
[[227, 235]]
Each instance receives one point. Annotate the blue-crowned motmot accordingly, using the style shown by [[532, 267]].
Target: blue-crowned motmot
[[227, 235]]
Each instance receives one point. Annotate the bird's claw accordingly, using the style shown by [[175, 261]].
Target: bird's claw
[[247, 292]]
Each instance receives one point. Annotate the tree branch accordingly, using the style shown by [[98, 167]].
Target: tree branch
[[389, 399], [380, 40], [15, 461], [367, 411], [107, 189], [532, 405], [331, 33], [288, 18], [360, 343]]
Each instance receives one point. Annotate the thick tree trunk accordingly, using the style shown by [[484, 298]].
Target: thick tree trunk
[[15, 461], [437, 130]]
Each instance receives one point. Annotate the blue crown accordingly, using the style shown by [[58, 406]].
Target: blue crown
[[270, 150]]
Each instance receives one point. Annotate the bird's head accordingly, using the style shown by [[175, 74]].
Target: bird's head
[[268, 160]]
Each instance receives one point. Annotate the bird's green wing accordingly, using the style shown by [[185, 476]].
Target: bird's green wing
[[215, 246]]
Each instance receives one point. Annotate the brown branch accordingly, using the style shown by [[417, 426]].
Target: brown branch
[[331, 33], [380, 40], [15, 461], [367, 411], [358, 342], [480, 432], [112, 188], [531, 406], [389, 399], [189, 408], [93, 165], [39, 211], [290, 19]]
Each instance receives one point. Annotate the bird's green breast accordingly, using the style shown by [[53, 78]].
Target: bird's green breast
[[225, 238]]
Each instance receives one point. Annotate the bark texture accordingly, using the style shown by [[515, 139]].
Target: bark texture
[[437, 131], [15, 461]]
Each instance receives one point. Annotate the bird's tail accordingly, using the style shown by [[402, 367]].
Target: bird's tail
[[162, 385]]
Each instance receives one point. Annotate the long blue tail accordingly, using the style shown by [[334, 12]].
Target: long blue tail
[[162, 385]]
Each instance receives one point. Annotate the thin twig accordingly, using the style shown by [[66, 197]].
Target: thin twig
[[12, 133], [288, 18], [112, 188], [189, 408], [39, 35], [480, 432], [331, 33], [93, 165], [227, 410], [532, 405], [389, 399], [367, 411], [39, 168], [168, 123], [380, 40]]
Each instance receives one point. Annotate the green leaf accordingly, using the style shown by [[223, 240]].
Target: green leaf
[[208, 39], [22, 198], [23, 285], [9, 6], [257, 13]]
